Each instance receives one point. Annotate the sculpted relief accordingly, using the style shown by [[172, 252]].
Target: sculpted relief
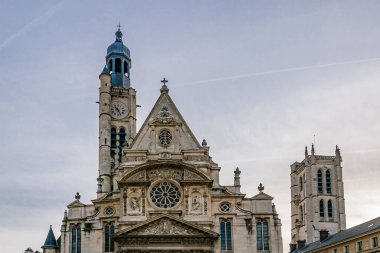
[[159, 172], [165, 227]]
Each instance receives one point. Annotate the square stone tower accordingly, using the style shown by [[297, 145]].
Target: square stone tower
[[317, 197]]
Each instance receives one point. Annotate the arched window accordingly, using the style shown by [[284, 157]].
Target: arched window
[[122, 135], [301, 184], [301, 214], [113, 142], [118, 65], [225, 235], [109, 245], [328, 181], [110, 65], [320, 187], [262, 235], [321, 209], [113, 137], [126, 69], [329, 210], [75, 239]]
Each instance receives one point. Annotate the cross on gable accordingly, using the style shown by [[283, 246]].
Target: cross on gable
[[164, 81]]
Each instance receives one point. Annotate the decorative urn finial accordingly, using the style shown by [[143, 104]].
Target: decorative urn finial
[[77, 196], [261, 187]]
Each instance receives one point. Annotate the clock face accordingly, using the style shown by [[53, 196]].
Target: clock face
[[119, 110]]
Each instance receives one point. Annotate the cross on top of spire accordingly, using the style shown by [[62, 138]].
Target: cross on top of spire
[[164, 81], [118, 33], [164, 88]]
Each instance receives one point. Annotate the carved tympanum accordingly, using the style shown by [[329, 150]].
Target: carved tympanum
[[165, 227]]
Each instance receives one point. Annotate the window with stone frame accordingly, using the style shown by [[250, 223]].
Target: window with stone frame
[[328, 182], [109, 230], [320, 184], [76, 239], [374, 242], [321, 209], [225, 235], [330, 210], [262, 229], [359, 246]]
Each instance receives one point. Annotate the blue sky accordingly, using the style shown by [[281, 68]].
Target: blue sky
[[257, 79]]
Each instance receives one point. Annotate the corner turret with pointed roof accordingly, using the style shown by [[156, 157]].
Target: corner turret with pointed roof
[[50, 245]]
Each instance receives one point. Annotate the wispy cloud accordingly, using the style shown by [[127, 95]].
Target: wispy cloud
[[29, 26], [269, 72]]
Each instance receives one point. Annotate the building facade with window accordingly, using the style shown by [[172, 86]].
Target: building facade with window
[[158, 188], [317, 197], [361, 238]]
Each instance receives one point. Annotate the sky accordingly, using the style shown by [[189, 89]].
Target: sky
[[258, 80]]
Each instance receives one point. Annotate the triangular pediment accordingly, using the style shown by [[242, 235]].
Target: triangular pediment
[[262, 196], [165, 116], [166, 225], [76, 203]]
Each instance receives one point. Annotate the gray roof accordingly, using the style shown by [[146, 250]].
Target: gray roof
[[343, 235]]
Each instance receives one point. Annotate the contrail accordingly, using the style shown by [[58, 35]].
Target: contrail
[[281, 71], [295, 157], [31, 24]]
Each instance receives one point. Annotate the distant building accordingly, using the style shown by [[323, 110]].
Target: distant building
[[317, 197], [361, 238], [158, 187]]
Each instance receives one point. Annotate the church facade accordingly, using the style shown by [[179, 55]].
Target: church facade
[[158, 188]]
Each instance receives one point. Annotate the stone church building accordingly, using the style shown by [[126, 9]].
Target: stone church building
[[158, 187]]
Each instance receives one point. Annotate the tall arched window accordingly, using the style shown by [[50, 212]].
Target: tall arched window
[[109, 245], [320, 187], [118, 65], [328, 181], [126, 70], [225, 235], [301, 184], [122, 135], [113, 141], [329, 210], [75, 239], [262, 235], [110, 65], [321, 209]]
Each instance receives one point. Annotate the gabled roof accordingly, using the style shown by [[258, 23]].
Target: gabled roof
[[50, 241], [344, 235], [262, 196], [76, 203], [165, 225], [165, 104]]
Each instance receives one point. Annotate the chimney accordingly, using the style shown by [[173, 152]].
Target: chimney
[[301, 244], [293, 247], [323, 234]]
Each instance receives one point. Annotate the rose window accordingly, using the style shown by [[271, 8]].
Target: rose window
[[165, 137], [109, 211], [225, 207], [165, 195]]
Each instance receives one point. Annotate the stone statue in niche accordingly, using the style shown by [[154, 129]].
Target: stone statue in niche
[[196, 204], [134, 203]]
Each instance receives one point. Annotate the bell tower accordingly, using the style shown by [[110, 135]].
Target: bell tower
[[117, 112], [317, 193]]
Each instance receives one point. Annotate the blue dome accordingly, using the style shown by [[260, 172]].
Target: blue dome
[[118, 47]]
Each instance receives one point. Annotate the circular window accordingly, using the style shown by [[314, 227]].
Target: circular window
[[225, 207], [165, 137], [165, 195], [109, 211]]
